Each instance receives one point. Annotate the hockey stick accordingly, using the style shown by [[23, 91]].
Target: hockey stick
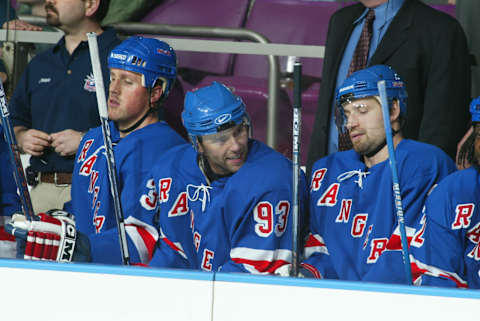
[[297, 122], [107, 141], [15, 159], [396, 185]]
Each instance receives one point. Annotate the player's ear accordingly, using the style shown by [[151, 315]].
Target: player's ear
[[395, 111], [200, 147], [156, 94], [91, 6]]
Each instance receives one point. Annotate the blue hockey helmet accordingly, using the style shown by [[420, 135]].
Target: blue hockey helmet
[[211, 109], [152, 58], [475, 109], [363, 83]]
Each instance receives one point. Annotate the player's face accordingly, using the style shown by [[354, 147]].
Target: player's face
[[64, 13], [128, 99], [227, 150], [365, 124]]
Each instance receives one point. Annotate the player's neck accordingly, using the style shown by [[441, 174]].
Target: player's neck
[[382, 154], [150, 119], [73, 36]]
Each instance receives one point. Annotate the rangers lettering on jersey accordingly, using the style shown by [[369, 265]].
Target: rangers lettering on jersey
[[463, 215], [344, 213], [93, 180], [164, 185], [85, 149], [358, 225], [180, 207], [207, 257], [196, 240], [317, 179], [329, 198], [473, 235], [87, 165], [377, 246]]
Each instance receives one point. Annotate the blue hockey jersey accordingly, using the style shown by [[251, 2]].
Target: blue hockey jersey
[[239, 223], [354, 232], [447, 252], [92, 202]]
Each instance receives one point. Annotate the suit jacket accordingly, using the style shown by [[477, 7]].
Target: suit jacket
[[429, 51]]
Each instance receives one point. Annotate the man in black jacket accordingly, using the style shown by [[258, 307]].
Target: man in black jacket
[[429, 51]]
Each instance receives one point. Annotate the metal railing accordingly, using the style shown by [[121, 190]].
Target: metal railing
[[260, 46]]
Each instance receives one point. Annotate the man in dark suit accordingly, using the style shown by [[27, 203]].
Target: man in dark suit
[[429, 51]]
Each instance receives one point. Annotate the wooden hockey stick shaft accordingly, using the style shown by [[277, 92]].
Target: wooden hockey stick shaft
[[107, 140]]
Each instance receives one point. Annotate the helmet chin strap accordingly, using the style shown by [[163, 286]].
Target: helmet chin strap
[[381, 145], [140, 121]]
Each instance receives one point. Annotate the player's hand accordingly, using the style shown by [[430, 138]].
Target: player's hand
[[66, 142], [52, 238], [18, 24], [33, 141]]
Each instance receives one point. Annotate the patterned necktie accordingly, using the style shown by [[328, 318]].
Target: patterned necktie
[[359, 61]]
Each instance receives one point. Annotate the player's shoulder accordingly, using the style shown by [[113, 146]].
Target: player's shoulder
[[423, 154], [177, 159], [94, 132], [263, 167], [159, 133], [455, 194], [466, 181], [344, 160], [264, 159]]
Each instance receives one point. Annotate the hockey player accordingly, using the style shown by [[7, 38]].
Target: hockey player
[[142, 71], [354, 230], [224, 202], [447, 249]]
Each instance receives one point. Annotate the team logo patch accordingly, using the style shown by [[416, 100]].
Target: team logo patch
[[222, 119], [397, 84], [89, 83], [163, 51]]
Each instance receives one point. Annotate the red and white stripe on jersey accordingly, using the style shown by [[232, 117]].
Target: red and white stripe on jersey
[[316, 273], [143, 236], [419, 269], [258, 261], [395, 241], [314, 244], [176, 246]]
